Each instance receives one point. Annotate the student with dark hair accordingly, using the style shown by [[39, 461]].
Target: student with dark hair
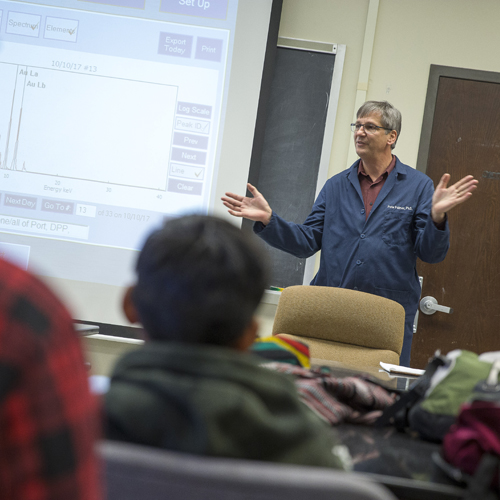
[[192, 387], [49, 421]]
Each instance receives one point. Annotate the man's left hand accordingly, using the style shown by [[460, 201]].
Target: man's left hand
[[445, 198]]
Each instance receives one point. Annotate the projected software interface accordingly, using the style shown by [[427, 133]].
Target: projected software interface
[[109, 120]]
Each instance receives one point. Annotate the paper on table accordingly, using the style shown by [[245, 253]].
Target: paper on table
[[403, 370]]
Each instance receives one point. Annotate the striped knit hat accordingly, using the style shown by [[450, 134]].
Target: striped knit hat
[[283, 349]]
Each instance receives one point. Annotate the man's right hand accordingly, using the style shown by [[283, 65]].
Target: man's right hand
[[255, 208]]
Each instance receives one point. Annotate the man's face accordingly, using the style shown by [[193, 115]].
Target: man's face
[[372, 144]]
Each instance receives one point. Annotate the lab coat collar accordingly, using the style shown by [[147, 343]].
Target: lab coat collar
[[399, 172]]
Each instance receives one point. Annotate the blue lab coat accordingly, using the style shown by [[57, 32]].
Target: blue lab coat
[[375, 255]]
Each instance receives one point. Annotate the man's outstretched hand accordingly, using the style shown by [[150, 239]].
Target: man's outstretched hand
[[255, 208], [445, 198]]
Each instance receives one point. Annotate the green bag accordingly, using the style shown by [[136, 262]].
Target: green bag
[[433, 402]]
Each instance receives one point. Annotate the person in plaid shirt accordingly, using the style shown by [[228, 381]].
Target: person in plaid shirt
[[49, 421]]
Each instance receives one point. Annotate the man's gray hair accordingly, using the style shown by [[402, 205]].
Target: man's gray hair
[[389, 115]]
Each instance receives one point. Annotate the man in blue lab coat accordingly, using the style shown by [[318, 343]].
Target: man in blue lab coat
[[371, 221]]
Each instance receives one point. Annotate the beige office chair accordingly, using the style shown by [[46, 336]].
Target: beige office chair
[[342, 325]]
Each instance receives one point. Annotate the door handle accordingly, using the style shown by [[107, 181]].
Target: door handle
[[429, 305]]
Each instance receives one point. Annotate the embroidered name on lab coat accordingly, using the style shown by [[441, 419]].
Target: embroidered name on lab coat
[[395, 207]]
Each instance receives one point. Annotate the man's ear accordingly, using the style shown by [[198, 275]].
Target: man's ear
[[248, 337], [129, 307], [393, 135]]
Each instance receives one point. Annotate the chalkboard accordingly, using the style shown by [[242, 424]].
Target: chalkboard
[[287, 175]]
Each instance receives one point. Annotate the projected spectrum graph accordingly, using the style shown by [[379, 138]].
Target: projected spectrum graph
[[85, 126]]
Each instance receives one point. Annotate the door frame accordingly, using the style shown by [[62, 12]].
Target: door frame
[[435, 73]]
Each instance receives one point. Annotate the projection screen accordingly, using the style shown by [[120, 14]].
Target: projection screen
[[114, 115]]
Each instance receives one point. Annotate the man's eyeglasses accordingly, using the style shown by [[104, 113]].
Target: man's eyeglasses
[[370, 128]]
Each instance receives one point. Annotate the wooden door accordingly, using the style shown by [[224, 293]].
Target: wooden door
[[465, 139]]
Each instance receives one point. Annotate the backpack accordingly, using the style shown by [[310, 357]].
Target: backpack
[[471, 449], [432, 404]]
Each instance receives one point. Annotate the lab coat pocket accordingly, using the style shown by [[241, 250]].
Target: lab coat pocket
[[396, 227]]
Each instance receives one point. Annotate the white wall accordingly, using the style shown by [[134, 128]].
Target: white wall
[[413, 35], [409, 37]]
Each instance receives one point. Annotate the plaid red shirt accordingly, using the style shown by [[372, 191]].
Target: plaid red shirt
[[48, 418]]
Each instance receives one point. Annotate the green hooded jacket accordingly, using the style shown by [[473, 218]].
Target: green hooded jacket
[[213, 401]]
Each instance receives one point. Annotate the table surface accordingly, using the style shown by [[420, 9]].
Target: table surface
[[401, 461]]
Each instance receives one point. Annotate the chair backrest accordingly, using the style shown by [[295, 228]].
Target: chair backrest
[[134, 472], [342, 325]]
